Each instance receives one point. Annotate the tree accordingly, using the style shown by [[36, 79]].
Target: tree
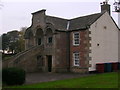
[[5, 42], [21, 41], [14, 41], [13, 46]]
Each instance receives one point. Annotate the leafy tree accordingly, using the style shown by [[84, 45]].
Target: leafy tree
[[13, 46], [5, 42], [21, 41], [14, 41]]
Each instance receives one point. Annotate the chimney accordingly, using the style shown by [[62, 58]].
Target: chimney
[[39, 18], [105, 7], [41, 11]]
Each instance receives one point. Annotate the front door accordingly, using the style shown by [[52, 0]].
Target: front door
[[49, 63]]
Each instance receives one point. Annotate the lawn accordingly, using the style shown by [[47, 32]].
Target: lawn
[[106, 80]]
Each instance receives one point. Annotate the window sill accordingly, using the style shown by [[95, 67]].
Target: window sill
[[76, 45], [76, 66]]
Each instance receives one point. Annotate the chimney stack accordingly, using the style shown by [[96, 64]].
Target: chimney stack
[[39, 18], [105, 7]]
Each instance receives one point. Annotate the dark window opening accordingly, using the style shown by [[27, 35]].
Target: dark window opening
[[39, 41], [50, 40]]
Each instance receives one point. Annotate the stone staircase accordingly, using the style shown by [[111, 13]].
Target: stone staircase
[[26, 59]]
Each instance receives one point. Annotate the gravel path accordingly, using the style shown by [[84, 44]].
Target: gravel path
[[32, 78]]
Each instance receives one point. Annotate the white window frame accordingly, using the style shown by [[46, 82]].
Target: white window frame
[[75, 39], [76, 58]]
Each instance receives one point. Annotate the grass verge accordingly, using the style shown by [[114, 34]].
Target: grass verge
[[106, 80]]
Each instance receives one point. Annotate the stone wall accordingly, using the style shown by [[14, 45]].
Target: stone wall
[[62, 52], [26, 60], [83, 51]]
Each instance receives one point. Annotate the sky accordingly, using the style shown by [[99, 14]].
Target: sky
[[15, 14]]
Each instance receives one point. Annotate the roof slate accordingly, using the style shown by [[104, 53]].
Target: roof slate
[[76, 23], [84, 21], [58, 23]]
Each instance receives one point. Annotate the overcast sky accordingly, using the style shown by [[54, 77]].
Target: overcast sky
[[17, 13]]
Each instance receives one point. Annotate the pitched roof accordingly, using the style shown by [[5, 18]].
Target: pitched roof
[[58, 23], [84, 21], [73, 24]]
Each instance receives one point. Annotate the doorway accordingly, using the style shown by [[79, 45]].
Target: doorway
[[49, 63]]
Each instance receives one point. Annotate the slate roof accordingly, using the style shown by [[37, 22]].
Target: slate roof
[[84, 21], [58, 23], [76, 23], [79, 23]]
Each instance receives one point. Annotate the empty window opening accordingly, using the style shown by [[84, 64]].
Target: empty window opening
[[39, 41], [50, 40]]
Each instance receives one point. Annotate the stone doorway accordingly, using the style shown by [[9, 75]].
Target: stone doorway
[[49, 60]]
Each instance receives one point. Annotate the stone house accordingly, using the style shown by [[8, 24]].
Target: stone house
[[60, 45]]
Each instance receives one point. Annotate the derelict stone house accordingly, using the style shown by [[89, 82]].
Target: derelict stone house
[[60, 45]]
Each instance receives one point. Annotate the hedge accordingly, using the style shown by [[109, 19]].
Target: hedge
[[13, 76]]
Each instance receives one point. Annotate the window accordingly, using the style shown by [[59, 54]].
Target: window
[[76, 58], [49, 39], [76, 38], [39, 41]]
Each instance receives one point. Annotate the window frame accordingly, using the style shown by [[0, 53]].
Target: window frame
[[76, 59], [74, 39]]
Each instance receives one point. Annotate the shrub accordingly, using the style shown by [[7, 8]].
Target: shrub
[[13, 76]]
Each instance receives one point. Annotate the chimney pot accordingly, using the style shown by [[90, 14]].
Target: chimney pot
[[105, 7]]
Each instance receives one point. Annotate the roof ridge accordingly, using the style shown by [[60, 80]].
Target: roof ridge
[[86, 16], [56, 17]]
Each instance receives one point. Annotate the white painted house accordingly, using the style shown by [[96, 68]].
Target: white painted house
[[105, 46]]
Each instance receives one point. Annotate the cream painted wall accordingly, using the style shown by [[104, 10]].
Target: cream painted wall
[[105, 33], [119, 37]]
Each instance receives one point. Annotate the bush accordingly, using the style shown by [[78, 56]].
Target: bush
[[13, 76]]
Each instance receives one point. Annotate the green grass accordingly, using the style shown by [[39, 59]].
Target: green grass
[[106, 80]]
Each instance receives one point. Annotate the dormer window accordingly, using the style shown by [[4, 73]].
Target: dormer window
[[76, 38]]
